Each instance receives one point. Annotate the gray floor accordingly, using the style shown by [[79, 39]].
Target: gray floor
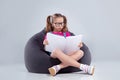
[[104, 71]]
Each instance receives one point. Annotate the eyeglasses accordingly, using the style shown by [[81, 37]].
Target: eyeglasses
[[59, 24]]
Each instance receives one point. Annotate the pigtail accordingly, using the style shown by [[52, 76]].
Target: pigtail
[[65, 24], [49, 24]]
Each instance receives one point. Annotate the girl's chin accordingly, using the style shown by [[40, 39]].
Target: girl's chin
[[59, 30]]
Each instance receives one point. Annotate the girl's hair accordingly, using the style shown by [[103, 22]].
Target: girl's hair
[[49, 22]]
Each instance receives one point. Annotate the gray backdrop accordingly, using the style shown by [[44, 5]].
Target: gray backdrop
[[97, 20]]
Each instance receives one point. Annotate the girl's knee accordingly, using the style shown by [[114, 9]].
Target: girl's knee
[[55, 53], [57, 50], [81, 52]]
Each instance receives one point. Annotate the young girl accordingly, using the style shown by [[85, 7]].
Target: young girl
[[57, 24]]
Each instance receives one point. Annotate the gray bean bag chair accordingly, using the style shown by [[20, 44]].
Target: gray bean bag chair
[[38, 61]]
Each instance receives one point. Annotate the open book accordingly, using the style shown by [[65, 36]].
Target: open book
[[66, 44]]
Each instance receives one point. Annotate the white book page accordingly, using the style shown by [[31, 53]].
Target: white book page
[[67, 45], [55, 41], [72, 43]]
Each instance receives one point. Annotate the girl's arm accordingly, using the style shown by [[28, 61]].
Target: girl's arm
[[80, 45], [45, 42]]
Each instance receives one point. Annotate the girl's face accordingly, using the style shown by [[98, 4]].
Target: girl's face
[[58, 24]]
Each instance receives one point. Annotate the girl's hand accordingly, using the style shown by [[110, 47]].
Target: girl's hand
[[45, 42], [80, 45]]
